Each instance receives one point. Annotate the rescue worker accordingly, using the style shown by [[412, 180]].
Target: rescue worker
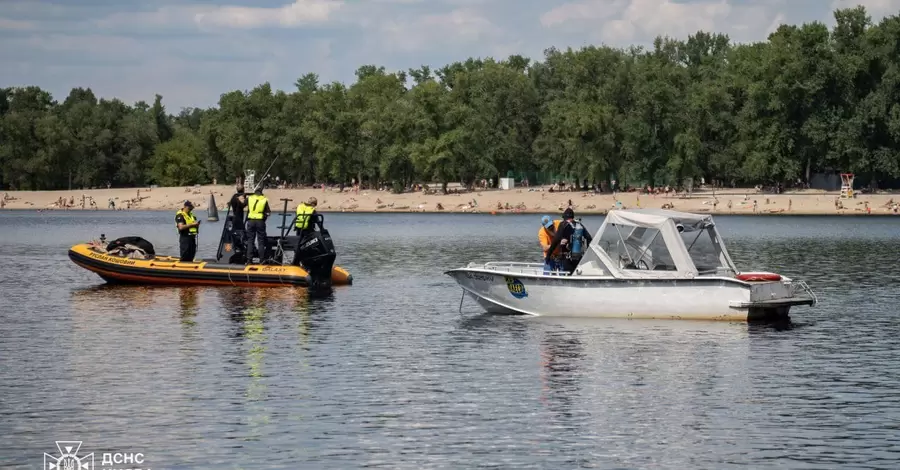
[[545, 237], [257, 214], [188, 227], [573, 238], [237, 235], [305, 212], [238, 203]]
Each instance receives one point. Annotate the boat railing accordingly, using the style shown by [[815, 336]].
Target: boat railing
[[803, 285], [513, 264], [517, 267]]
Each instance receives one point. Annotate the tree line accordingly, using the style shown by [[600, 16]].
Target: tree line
[[806, 100]]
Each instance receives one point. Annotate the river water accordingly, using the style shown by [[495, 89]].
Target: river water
[[388, 372]]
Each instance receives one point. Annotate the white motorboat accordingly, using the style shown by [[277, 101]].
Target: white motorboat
[[645, 263]]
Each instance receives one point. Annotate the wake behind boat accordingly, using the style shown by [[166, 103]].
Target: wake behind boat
[[645, 263], [133, 260]]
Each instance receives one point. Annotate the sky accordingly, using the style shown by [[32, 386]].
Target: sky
[[192, 51]]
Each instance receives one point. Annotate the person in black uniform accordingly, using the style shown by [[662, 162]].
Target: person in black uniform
[[238, 203], [188, 227], [237, 234], [563, 239], [257, 214]]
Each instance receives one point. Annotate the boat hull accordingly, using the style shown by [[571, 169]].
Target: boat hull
[[711, 298], [166, 270]]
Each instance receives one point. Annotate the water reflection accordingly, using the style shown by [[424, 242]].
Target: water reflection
[[487, 328], [106, 298], [236, 299], [188, 301], [388, 372], [257, 316], [560, 373], [254, 334]]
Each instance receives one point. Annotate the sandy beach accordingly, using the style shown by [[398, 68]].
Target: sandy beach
[[519, 200]]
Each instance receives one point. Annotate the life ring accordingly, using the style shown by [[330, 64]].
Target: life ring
[[758, 277]]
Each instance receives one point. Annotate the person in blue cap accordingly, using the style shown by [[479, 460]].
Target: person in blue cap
[[545, 237]]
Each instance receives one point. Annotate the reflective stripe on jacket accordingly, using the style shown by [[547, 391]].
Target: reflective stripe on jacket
[[303, 215], [188, 219], [256, 207]]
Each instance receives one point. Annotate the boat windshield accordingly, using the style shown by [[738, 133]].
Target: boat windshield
[[705, 250], [632, 247]]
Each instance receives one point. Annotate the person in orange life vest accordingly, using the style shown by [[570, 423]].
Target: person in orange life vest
[[545, 237]]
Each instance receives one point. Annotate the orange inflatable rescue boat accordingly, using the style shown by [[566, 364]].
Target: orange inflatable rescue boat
[[133, 260]]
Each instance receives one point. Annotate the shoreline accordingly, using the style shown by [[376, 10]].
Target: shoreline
[[524, 201], [202, 215]]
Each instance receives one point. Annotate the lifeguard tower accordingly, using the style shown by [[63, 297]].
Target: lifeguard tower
[[249, 180], [847, 185]]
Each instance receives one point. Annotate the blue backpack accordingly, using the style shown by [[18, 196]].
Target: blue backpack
[[576, 243]]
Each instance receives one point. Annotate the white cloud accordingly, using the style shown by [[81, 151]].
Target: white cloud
[[875, 8], [623, 22], [675, 19], [190, 51], [54, 47], [15, 25], [299, 13], [165, 18], [458, 27], [209, 18], [584, 11]]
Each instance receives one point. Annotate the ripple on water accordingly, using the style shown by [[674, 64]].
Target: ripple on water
[[387, 372]]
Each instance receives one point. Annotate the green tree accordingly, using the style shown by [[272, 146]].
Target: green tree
[[806, 99], [179, 160]]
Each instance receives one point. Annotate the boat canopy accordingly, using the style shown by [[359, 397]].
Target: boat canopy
[[658, 218], [656, 243]]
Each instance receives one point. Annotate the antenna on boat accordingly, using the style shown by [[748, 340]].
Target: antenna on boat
[[266, 174]]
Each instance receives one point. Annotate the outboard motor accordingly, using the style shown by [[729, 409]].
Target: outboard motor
[[315, 253]]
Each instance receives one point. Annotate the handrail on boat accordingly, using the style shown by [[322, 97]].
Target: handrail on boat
[[518, 267], [511, 263], [803, 285]]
